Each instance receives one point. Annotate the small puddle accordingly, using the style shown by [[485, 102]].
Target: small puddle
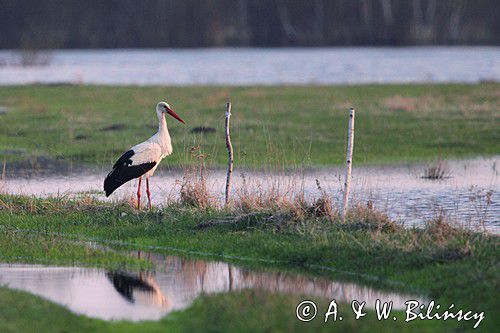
[[173, 285]]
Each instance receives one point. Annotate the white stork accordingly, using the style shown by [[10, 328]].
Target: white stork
[[143, 159]]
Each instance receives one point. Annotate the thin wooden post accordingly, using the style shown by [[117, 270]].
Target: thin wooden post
[[3, 168], [2, 178], [348, 167], [230, 153]]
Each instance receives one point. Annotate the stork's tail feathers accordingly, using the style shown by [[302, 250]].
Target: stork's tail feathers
[[124, 173], [111, 183]]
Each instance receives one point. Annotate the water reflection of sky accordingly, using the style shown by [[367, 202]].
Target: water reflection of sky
[[174, 285]]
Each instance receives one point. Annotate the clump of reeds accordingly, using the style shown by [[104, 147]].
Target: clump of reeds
[[446, 240], [261, 198], [437, 171], [441, 228], [128, 199], [482, 201], [365, 216], [282, 200], [193, 190], [322, 206]]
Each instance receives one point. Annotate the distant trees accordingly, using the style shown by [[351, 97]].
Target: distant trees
[[202, 23]]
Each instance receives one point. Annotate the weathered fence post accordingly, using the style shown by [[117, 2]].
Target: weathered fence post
[[230, 153], [350, 146], [2, 177], [3, 168]]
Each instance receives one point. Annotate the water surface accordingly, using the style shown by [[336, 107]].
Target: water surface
[[251, 66], [469, 194], [173, 285]]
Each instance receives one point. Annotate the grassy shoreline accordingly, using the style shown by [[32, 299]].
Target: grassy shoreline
[[272, 127], [446, 264]]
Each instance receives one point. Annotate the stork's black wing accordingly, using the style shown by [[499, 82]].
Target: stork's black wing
[[124, 159], [123, 171]]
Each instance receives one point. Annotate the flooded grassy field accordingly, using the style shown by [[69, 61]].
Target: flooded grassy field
[[423, 221], [468, 192]]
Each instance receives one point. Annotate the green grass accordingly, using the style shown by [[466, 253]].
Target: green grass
[[447, 265], [271, 126], [16, 246], [246, 311]]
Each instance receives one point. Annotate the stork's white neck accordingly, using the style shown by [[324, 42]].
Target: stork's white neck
[[162, 126], [163, 136]]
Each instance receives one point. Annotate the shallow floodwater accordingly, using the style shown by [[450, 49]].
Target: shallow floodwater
[[250, 66], [469, 194], [173, 285]]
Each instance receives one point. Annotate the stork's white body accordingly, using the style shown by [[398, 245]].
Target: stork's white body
[[143, 158], [155, 148]]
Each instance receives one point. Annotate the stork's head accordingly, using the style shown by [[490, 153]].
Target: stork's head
[[163, 108]]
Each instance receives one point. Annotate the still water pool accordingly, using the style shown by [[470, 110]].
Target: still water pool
[[173, 285]]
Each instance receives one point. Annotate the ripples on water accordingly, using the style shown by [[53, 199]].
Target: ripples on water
[[174, 285], [248, 66], [400, 191]]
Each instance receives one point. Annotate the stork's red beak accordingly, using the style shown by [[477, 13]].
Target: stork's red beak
[[175, 115]]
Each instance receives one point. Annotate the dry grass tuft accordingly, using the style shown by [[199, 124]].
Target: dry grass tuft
[[440, 240], [258, 199], [193, 192], [283, 200], [322, 206], [441, 228], [365, 216], [449, 241], [128, 199]]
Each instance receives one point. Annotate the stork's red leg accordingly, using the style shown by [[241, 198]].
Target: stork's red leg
[[139, 193], [148, 192]]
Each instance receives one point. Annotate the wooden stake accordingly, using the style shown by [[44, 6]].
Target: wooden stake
[[2, 179], [230, 153], [350, 146], [3, 169]]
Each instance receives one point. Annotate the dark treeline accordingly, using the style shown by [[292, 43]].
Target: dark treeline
[[203, 23]]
